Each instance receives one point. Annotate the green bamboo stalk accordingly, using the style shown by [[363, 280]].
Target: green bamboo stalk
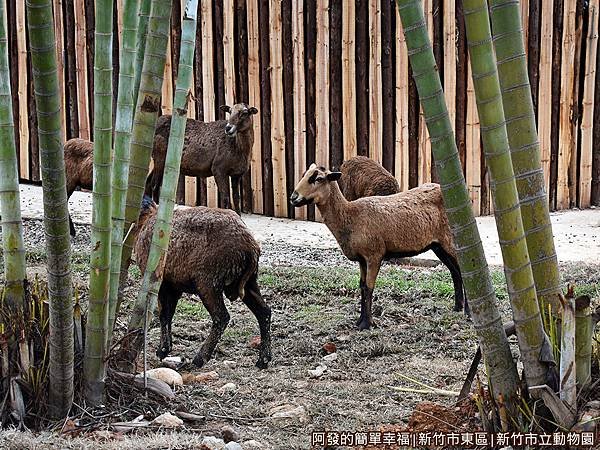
[[97, 319], [476, 276], [517, 267], [525, 149], [144, 14], [161, 235], [144, 121], [40, 25], [10, 205], [120, 172]]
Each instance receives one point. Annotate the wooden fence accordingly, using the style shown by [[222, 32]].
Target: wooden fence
[[331, 80]]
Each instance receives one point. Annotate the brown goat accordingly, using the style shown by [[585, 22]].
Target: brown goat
[[79, 166], [363, 177], [221, 149], [211, 252], [372, 229]]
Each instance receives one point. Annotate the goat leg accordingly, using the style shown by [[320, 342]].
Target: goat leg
[[262, 312], [220, 318], [235, 187]]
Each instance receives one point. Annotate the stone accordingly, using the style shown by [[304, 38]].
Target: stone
[[229, 434]]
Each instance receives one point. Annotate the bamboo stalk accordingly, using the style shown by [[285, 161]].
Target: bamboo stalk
[[56, 225], [348, 79], [120, 169], [524, 145], [148, 296], [584, 336], [568, 372], [587, 117], [517, 266], [13, 249], [471, 258]]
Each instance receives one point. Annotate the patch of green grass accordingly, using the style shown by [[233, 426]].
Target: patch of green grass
[[191, 309]]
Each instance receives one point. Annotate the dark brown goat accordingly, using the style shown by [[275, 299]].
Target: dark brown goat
[[211, 252], [221, 149], [363, 177], [79, 166]]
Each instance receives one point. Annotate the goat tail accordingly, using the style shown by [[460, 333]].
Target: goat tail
[[251, 269]]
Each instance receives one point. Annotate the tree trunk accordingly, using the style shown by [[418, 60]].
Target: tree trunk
[[97, 318], [120, 173], [517, 267], [525, 149], [476, 277], [56, 224], [146, 113], [147, 298]]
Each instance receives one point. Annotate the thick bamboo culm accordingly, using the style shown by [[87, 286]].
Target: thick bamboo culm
[[563, 49]]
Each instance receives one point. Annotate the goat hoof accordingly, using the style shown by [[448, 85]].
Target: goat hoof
[[162, 353], [198, 361], [262, 363], [364, 325]]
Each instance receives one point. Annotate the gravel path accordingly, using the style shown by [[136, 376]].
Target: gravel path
[[284, 241]]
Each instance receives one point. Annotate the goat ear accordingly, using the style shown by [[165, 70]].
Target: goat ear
[[334, 176], [225, 108], [252, 110]]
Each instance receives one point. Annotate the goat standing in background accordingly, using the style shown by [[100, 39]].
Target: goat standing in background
[[221, 149]]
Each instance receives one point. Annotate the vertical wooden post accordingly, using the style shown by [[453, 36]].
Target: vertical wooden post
[[401, 138], [450, 58], [473, 176], [336, 152], [348, 80], [229, 51], [387, 9], [322, 84], [264, 23], [60, 59], [424, 160], [22, 92], [254, 99], [287, 41], [375, 134], [208, 83], [568, 139], [299, 97], [585, 165], [545, 90], [277, 111], [167, 87], [362, 62], [81, 67]]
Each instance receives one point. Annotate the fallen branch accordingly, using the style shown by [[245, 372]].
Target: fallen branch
[[436, 391], [559, 409]]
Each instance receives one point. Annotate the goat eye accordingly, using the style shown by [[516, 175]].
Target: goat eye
[[320, 179]]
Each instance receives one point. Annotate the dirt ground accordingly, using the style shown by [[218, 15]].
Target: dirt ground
[[314, 298]]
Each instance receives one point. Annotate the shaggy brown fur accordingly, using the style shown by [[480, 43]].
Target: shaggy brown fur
[[211, 252], [79, 166], [363, 177], [371, 229], [221, 149]]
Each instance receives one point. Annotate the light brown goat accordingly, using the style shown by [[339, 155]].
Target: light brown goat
[[79, 166], [221, 149], [372, 229], [211, 252], [363, 177]]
